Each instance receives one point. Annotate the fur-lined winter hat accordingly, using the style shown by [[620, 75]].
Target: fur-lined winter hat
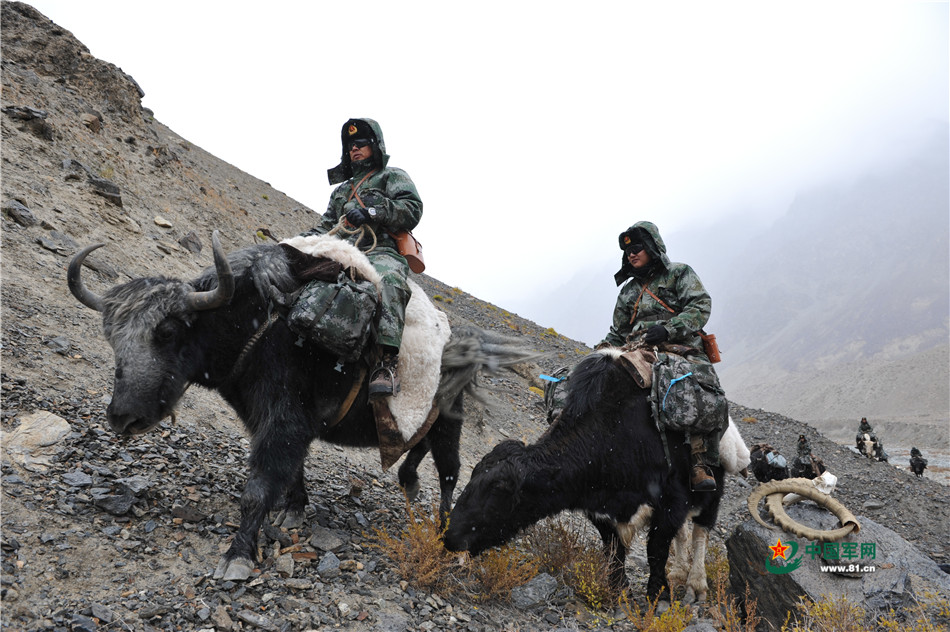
[[357, 129]]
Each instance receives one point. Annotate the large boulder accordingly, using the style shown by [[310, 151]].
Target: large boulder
[[891, 575]]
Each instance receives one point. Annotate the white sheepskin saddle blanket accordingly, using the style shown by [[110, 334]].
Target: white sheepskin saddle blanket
[[425, 335]]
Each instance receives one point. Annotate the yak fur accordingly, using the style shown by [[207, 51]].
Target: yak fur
[[603, 456]]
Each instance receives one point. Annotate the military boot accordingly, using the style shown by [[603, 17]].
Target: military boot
[[384, 379], [700, 479]]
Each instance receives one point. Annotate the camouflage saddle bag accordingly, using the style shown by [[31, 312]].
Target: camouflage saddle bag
[[555, 392], [337, 316], [686, 396]]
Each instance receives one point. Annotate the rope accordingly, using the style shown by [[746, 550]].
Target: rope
[[345, 228], [672, 382]]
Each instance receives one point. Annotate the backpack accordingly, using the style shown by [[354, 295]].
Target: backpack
[[337, 316]]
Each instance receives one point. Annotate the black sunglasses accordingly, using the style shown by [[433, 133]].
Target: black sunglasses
[[359, 143], [634, 248]]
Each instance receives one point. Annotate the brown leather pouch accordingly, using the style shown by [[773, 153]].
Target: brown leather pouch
[[410, 248], [710, 347]]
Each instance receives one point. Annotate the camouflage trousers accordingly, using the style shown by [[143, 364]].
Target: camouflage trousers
[[394, 270]]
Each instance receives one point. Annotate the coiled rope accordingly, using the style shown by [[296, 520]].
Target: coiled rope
[[346, 231]]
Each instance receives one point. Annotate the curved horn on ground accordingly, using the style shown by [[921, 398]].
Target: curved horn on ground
[[775, 492], [74, 280], [221, 295]]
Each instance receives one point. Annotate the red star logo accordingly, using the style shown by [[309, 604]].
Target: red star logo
[[779, 550]]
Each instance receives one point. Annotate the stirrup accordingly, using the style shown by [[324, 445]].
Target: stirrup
[[384, 381]]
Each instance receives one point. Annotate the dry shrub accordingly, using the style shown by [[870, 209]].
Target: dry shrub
[[497, 571], [828, 614], [675, 619], [930, 613], [589, 579], [563, 551], [418, 553], [555, 544], [722, 606], [717, 573]]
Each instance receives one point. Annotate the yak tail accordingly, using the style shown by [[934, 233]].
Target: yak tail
[[469, 352]]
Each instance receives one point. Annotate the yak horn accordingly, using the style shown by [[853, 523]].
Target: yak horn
[[775, 491], [221, 295], [74, 280]]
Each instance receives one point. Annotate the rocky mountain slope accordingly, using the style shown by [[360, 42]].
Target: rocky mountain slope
[[108, 533]]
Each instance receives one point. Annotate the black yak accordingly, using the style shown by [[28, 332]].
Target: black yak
[[604, 456], [917, 462], [219, 331]]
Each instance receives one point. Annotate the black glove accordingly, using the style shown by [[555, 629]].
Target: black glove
[[655, 335], [375, 198], [357, 216]]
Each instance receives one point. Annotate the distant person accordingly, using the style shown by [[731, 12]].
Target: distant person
[[804, 447], [868, 443], [865, 432], [806, 464], [662, 301], [917, 462], [373, 195]]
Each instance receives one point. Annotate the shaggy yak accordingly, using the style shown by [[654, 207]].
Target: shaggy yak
[[917, 463], [217, 332], [605, 456]]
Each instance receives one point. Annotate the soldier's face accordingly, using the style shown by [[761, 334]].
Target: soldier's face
[[360, 151], [639, 258]]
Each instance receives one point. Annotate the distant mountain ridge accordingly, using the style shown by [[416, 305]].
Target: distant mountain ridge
[[845, 302], [856, 271]]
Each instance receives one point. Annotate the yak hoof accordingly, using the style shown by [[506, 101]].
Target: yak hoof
[[236, 570], [662, 606], [692, 597], [290, 518], [689, 597], [412, 490]]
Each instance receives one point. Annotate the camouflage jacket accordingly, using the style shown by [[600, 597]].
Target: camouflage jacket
[[676, 284], [389, 190]]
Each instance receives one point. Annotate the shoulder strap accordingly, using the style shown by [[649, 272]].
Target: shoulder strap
[[657, 298], [354, 189], [636, 306]]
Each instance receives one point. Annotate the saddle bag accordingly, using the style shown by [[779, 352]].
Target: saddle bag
[[337, 316], [555, 392], [686, 396]]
